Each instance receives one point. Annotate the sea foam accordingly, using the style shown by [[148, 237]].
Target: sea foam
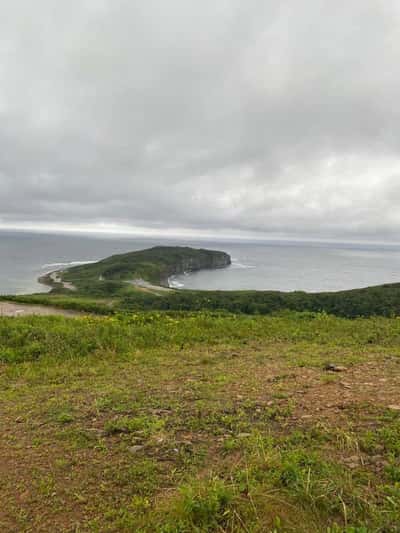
[[69, 263]]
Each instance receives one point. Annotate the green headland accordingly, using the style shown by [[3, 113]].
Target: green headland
[[153, 266]]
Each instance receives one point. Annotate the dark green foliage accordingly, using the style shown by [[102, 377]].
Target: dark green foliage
[[383, 300]]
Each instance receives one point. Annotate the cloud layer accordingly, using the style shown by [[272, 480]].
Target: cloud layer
[[261, 116]]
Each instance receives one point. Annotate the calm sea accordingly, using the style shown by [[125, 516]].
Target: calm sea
[[269, 265]]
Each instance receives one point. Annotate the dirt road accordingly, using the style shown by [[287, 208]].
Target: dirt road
[[17, 309]]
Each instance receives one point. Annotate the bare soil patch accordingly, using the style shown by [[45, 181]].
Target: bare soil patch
[[17, 309]]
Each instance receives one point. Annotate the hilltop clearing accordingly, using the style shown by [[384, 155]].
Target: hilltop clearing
[[154, 422]]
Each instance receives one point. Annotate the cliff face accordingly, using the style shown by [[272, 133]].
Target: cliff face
[[197, 260]]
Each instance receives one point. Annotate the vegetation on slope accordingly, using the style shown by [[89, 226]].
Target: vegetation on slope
[[157, 422], [155, 265], [382, 300], [105, 298]]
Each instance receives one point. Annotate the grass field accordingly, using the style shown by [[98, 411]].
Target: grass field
[[156, 422]]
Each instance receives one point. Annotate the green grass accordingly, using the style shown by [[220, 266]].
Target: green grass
[[181, 422], [307, 338]]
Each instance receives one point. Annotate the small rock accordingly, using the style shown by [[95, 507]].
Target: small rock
[[135, 449], [352, 459], [334, 368], [394, 407], [185, 443], [352, 462], [160, 412], [244, 435], [352, 465]]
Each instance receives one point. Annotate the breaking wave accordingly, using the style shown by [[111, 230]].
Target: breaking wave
[[68, 264], [236, 264], [174, 283]]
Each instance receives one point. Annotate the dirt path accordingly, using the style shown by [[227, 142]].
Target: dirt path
[[17, 309]]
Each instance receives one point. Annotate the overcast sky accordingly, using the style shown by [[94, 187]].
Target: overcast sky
[[231, 117]]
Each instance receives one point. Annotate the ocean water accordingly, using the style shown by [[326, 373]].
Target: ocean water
[[289, 266], [272, 265]]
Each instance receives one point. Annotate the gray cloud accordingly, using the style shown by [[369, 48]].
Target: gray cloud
[[259, 116]]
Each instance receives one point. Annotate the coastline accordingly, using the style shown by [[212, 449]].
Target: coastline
[[53, 280], [151, 269]]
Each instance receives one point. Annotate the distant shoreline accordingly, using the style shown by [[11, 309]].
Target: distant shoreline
[[53, 280], [149, 269]]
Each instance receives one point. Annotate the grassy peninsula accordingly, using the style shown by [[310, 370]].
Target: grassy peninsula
[[191, 411], [154, 265]]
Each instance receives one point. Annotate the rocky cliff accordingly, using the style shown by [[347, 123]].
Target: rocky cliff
[[190, 260]]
